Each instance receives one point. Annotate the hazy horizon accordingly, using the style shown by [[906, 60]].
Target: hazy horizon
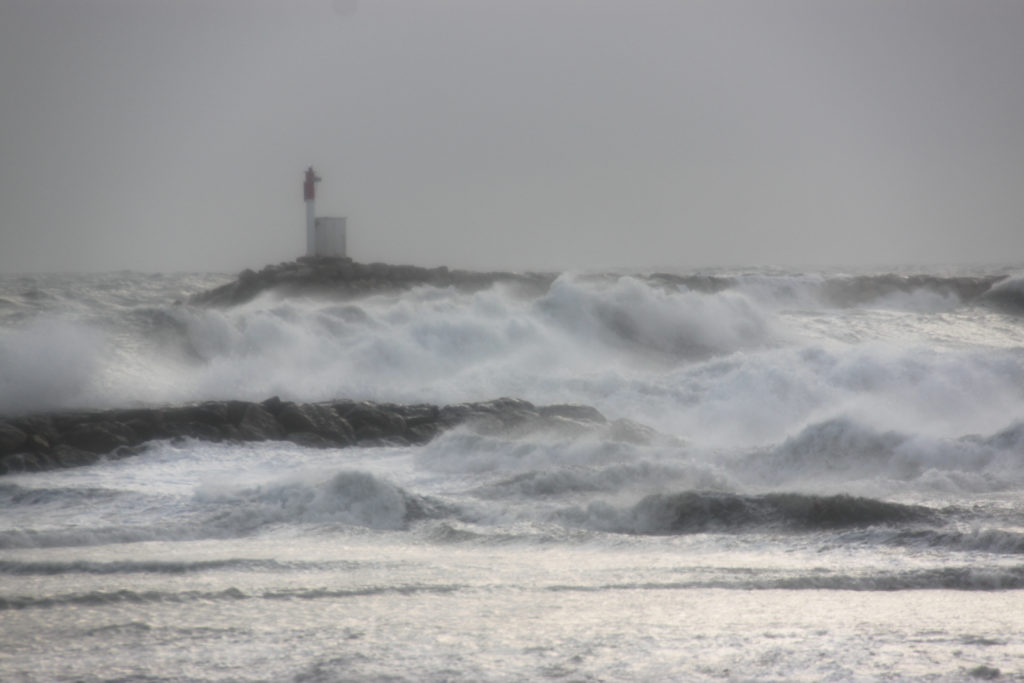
[[172, 136]]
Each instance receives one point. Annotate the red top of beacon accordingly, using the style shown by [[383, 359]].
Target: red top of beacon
[[309, 187]]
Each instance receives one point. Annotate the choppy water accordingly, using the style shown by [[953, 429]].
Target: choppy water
[[833, 491]]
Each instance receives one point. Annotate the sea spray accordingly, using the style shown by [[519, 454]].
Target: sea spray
[[793, 475]]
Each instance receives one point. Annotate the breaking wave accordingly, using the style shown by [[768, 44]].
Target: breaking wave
[[56, 568], [125, 344], [1007, 295], [169, 567], [353, 498], [628, 315], [344, 499], [996, 541], [100, 598], [846, 449], [700, 512], [861, 290], [945, 578], [926, 292]]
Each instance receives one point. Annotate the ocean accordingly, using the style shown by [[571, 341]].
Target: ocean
[[820, 477]]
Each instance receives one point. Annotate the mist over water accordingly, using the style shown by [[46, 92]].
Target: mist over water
[[827, 434]]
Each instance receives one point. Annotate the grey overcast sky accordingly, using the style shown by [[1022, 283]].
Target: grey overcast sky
[[170, 135]]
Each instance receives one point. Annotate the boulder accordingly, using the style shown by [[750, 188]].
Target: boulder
[[370, 421], [511, 412], [344, 271], [577, 412], [454, 415], [12, 439], [273, 405], [69, 456], [258, 424], [40, 429], [318, 419], [418, 414], [213, 413], [100, 437], [146, 424], [20, 462], [422, 433]]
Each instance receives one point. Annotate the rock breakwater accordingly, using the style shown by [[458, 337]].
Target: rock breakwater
[[345, 277], [70, 439]]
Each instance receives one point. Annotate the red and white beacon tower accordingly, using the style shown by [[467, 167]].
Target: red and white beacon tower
[[325, 236]]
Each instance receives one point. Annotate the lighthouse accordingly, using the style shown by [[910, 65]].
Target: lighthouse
[[325, 236]]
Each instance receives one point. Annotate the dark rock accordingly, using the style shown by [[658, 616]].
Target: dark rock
[[985, 673], [508, 416], [236, 411], [39, 426], [509, 412], [486, 423], [257, 424], [39, 442], [203, 431], [380, 271], [407, 274], [332, 425], [310, 440], [504, 406], [134, 425], [420, 414], [272, 405], [213, 413], [341, 406], [318, 419], [422, 433], [12, 439], [573, 412], [383, 442], [348, 278], [371, 421], [344, 271], [69, 456], [145, 429], [64, 422], [125, 452], [294, 418], [454, 415], [99, 437], [22, 462], [11, 463]]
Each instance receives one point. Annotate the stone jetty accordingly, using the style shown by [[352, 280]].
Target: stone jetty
[[345, 277], [69, 439]]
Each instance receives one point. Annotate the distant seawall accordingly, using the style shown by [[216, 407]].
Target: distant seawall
[[343, 276]]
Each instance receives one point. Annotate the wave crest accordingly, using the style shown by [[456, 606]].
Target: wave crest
[[349, 497], [717, 512], [632, 316]]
